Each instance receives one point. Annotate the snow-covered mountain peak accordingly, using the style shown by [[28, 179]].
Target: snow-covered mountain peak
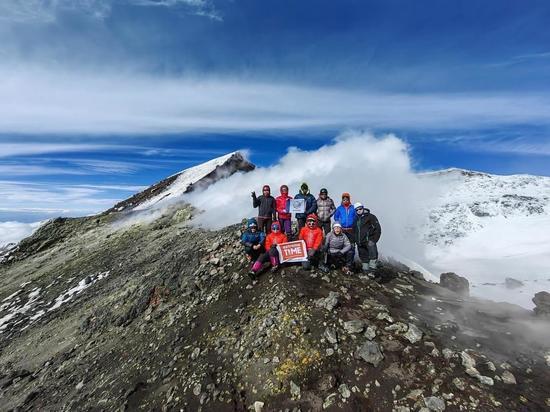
[[186, 181]]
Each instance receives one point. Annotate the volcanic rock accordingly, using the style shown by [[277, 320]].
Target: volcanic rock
[[452, 281], [542, 304]]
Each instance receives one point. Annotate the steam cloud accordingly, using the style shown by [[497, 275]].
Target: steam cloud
[[375, 171]]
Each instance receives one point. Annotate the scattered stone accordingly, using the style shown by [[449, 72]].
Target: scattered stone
[[354, 326], [542, 304], [331, 335], [547, 358], [508, 378], [448, 353], [485, 380], [327, 382], [512, 283], [467, 361], [370, 333], [295, 391], [80, 385], [455, 283], [370, 352], [195, 354], [329, 352], [491, 366], [344, 391], [258, 406], [459, 383], [197, 389], [396, 327], [413, 334], [414, 394], [329, 400], [330, 302], [384, 316], [433, 403]]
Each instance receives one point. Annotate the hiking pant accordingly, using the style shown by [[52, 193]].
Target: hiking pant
[[313, 257], [254, 254], [339, 259], [368, 251], [325, 225], [286, 226], [301, 223], [264, 224], [272, 256]]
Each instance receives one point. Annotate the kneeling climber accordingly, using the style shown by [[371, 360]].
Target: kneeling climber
[[312, 235], [338, 250], [253, 241], [276, 237]]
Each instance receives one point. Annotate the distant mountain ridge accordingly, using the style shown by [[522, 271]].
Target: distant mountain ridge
[[469, 199]]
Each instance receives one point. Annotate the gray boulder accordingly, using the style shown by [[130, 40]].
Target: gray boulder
[[542, 304], [452, 281], [370, 352]]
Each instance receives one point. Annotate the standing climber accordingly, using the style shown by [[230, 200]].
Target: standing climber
[[338, 250], [366, 232], [345, 215], [311, 205], [267, 208], [284, 217], [312, 235], [253, 241], [325, 210], [276, 237]]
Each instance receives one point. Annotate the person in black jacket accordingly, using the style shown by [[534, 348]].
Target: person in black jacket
[[267, 209], [311, 205], [366, 233]]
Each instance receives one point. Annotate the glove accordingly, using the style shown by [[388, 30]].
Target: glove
[[248, 244], [310, 253]]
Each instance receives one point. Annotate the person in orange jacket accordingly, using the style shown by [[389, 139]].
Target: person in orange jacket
[[276, 237], [312, 235]]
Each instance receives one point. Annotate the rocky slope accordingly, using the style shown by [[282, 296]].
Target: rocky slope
[[161, 316]]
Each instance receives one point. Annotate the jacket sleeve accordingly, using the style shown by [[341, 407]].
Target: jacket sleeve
[[318, 240], [332, 208], [377, 232], [326, 245], [337, 215], [347, 245], [244, 240], [313, 207], [301, 234], [262, 238], [268, 242], [255, 201], [274, 208]]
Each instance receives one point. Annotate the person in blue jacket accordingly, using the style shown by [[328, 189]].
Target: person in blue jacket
[[253, 241], [345, 215], [311, 205]]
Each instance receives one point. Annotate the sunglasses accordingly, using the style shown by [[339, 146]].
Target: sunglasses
[[275, 229]]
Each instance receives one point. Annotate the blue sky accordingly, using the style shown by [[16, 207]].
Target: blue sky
[[102, 97]]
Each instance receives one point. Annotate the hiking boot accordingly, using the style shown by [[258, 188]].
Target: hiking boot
[[324, 268], [347, 271], [274, 268], [252, 275]]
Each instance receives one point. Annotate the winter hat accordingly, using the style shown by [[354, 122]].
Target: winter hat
[[283, 187], [358, 205], [346, 194], [304, 187], [275, 226], [323, 191], [337, 225], [252, 222], [312, 216], [266, 187]]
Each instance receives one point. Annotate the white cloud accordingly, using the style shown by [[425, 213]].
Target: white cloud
[[102, 103], [376, 172], [25, 149], [47, 11], [13, 232]]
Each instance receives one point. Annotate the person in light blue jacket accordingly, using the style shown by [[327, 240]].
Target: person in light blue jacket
[[345, 215]]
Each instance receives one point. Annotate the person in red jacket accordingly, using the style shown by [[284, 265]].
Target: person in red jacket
[[276, 237], [312, 235], [282, 211]]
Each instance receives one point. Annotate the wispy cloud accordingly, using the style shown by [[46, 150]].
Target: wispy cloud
[[103, 103], [522, 58], [47, 11]]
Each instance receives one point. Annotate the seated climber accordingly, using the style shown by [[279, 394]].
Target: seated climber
[[366, 233], [253, 242], [275, 238], [338, 251], [312, 235]]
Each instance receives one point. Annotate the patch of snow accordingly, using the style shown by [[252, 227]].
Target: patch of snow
[[72, 292], [185, 179]]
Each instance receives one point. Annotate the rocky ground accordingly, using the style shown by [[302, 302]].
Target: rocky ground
[[99, 315]]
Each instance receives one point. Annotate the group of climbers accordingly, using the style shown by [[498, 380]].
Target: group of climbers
[[354, 227]]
